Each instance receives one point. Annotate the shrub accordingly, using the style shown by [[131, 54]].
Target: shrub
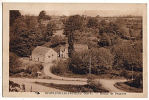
[[105, 40], [14, 63], [61, 67], [33, 69]]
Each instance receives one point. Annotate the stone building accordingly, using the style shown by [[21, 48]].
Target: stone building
[[44, 54]]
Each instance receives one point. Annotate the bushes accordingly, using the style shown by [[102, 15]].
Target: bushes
[[105, 40], [14, 87], [33, 69], [61, 67], [14, 63], [29, 71]]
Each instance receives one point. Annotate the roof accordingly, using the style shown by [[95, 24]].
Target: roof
[[41, 50]]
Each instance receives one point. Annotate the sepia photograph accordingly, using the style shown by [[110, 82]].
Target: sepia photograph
[[74, 48]]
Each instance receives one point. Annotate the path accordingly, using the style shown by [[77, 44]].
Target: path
[[35, 87], [29, 83], [106, 83], [109, 84]]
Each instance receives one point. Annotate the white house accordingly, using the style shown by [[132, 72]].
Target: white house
[[44, 54], [63, 51]]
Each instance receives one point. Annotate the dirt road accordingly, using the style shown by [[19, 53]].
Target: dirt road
[[48, 72], [109, 84], [106, 83], [30, 83], [31, 86]]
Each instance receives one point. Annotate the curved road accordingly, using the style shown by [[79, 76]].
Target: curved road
[[106, 83], [109, 84]]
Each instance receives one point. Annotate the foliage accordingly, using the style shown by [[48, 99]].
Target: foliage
[[14, 14], [101, 59], [43, 15], [104, 40], [73, 23], [23, 37], [49, 31], [27, 33], [13, 62], [57, 40], [33, 69], [61, 67], [92, 23], [14, 87], [127, 56]]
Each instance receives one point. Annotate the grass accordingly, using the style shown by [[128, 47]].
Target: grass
[[76, 88], [127, 88]]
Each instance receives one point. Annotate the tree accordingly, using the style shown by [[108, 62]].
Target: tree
[[104, 40], [49, 31], [13, 62], [73, 23], [57, 40], [101, 59], [13, 15], [92, 23], [127, 55], [25, 35], [43, 15]]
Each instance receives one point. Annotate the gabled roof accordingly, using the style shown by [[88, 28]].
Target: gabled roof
[[39, 50]]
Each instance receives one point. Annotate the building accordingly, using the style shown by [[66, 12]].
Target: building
[[63, 51], [44, 54]]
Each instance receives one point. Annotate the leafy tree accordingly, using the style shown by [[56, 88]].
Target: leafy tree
[[57, 40], [127, 56], [25, 35], [92, 23], [73, 23], [13, 62], [49, 31], [101, 59], [13, 15], [43, 15], [104, 40]]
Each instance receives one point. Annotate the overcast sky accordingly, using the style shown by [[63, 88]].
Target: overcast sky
[[91, 10]]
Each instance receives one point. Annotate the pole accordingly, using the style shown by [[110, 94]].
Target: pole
[[132, 73], [90, 66]]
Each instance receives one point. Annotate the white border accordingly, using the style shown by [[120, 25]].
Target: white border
[[64, 1]]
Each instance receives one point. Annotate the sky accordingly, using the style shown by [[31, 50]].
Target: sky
[[90, 10]]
